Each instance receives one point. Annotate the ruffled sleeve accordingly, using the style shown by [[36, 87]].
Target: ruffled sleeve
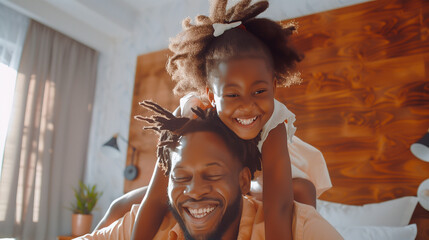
[[280, 114]]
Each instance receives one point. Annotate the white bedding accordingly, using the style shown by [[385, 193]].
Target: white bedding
[[386, 220], [408, 232]]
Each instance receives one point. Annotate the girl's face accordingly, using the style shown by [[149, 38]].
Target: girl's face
[[243, 94]]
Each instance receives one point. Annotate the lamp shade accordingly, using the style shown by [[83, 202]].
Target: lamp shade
[[420, 149], [423, 194], [113, 142]]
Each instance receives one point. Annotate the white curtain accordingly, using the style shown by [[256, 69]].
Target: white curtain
[[46, 145], [13, 27]]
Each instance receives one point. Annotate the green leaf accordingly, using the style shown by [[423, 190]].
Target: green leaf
[[86, 197]]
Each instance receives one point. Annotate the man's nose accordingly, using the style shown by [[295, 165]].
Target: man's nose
[[197, 188]]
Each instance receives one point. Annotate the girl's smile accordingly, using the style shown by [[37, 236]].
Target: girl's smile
[[243, 93]]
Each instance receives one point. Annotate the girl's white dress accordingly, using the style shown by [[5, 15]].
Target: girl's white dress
[[306, 161]]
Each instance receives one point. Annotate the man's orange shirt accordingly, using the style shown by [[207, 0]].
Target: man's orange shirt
[[307, 225]]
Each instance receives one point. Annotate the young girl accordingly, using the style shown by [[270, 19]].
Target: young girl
[[234, 62]]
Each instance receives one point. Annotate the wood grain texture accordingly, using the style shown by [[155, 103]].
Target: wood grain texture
[[365, 98], [363, 102], [152, 82]]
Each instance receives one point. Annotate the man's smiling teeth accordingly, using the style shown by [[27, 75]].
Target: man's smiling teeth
[[201, 212], [246, 121]]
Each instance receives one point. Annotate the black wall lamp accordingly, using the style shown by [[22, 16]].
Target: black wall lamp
[[131, 171]]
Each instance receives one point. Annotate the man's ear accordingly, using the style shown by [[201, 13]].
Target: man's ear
[[210, 96], [244, 180]]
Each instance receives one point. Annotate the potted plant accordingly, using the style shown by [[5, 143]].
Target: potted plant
[[86, 199]]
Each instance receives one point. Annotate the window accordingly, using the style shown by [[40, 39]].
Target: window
[[7, 86], [13, 28]]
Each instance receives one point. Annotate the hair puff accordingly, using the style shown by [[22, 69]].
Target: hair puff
[[191, 47]]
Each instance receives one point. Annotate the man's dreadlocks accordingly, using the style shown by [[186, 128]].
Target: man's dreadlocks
[[172, 128]]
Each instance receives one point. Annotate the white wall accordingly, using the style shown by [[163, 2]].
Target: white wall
[[115, 81]]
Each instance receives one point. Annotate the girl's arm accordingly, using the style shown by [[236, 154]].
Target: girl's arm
[[154, 204], [277, 185], [153, 207]]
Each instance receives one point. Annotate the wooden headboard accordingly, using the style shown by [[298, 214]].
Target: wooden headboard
[[151, 82], [363, 102], [365, 96]]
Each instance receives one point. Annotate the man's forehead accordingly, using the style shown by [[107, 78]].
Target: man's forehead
[[204, 146]]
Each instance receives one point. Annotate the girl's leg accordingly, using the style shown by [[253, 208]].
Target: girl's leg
[[120, 206], [304, 191]]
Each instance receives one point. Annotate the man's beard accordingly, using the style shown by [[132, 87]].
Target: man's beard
[[231, 213]]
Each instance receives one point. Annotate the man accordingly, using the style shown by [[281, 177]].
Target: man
[[209, 172]]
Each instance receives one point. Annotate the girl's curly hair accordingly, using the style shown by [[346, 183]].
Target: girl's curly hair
[[196, 51], [172, 128]]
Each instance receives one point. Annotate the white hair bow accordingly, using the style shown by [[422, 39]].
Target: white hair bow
[[220, 28]]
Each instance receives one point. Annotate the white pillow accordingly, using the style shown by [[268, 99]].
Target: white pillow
[[378, 233], [394, 213]]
